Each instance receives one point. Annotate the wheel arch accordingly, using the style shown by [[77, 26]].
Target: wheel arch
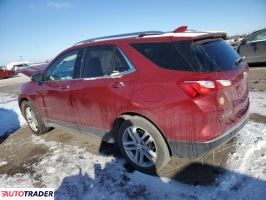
[[20, 101], [127, 115]]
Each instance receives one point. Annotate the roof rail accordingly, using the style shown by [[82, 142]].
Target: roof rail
[[137, 34]]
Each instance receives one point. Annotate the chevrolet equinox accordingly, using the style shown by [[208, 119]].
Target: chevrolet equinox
[[155, 94]]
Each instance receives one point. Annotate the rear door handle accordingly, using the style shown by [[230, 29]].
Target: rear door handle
[[65, 87], [118, 84]]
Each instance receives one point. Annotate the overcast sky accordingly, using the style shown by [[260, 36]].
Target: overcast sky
[[38, 30]]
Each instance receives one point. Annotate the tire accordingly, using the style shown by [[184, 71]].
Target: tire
[[40, 126], [151, 145]]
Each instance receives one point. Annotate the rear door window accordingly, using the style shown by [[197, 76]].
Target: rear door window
[[102, 61]]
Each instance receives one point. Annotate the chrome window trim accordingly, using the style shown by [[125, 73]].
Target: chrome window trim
[[250, 38], [254, 41], [114, 75]]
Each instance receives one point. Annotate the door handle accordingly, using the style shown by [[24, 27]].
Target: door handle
[[65, 87], [118, 84]]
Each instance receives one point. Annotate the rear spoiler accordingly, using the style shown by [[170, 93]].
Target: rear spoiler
[[212, 35]]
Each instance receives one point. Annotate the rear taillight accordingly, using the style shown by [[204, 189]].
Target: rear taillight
[[196, 88], [223, 83]]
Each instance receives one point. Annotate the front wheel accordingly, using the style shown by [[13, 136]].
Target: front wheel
[[33, 118], [142, 145]]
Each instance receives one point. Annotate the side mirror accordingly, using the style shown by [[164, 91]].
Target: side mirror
[[37, 77], [244, 41]]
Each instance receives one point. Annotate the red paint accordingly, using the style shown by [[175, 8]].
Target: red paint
[[4, 73], [180, 29], [155, 93]]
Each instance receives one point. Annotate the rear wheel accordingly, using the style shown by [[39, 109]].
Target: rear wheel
[[33, 118], [143, 145]]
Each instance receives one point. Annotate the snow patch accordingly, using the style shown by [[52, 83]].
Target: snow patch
[[250, 155], [258, 102], [3, 162], [10, 116], [77, 174]]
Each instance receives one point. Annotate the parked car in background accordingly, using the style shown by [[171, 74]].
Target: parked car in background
[[155, 94], [16, 65], [33, 69], [4, 73], [253, 47]]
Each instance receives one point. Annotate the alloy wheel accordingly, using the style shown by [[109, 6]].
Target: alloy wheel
[[31, 119], [139, 146]]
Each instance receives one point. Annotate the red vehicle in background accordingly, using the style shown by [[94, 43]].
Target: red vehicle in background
[[4, 73], [155, 94]]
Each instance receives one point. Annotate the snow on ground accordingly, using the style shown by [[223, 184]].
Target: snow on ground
[[18, 79], [258, 102], [3, 162], [77, 174], [10, 115]]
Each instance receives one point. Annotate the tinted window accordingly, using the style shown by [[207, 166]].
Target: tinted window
[[102, 61], [63, 67], [211, 55], [163, 54], [199, 56], [259, 36]]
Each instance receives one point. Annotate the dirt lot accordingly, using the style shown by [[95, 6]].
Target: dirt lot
[[18, 150]]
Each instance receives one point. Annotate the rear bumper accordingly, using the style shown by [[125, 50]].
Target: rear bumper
[[193, 150]]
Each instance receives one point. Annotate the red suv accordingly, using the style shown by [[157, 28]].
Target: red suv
[[155, 94]]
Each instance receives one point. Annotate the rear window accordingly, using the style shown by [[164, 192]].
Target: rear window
[[199, 56]]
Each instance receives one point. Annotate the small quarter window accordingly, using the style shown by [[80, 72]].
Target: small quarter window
[[119, 63]]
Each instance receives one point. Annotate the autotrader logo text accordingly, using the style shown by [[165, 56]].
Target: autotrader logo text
[[27, 193]]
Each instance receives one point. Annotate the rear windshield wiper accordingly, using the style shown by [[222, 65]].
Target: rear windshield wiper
[[239, 60]]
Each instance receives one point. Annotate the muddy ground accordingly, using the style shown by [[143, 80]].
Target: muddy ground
[[18, 150]]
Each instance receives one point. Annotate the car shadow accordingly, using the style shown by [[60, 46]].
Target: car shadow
[[9, 123], [191, 172], [112, 180], [262, 64]]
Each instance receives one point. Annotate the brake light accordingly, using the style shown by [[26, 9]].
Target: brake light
[[196, 88]]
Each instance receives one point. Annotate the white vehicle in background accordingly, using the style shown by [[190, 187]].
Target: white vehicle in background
[[17, 65]]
